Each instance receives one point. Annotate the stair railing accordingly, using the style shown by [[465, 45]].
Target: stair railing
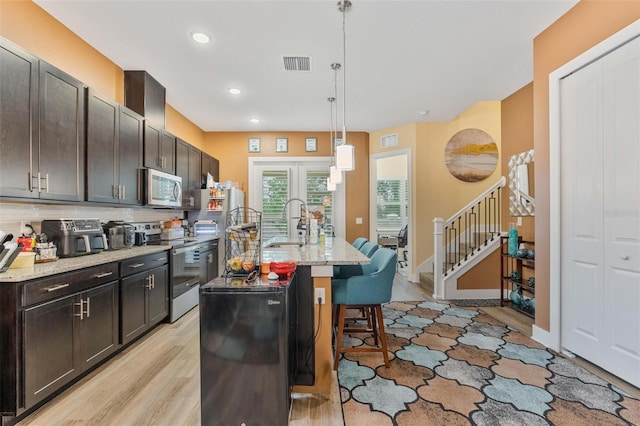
[[458, 238]]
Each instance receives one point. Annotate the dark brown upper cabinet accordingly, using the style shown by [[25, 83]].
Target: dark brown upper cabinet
[[209, 165], [146, 96], [114, 151], [41, 128], [159, 148], [188, 164]]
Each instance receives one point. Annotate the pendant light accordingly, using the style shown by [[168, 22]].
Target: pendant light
[[345, 153], [335, 174]]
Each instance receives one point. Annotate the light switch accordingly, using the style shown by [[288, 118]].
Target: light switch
[[358, 221], [519, 221]]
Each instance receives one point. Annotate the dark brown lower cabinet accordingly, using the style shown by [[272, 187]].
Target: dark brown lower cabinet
[[66, 336], [144, 301]]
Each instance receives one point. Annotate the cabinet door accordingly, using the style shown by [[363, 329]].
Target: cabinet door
[[49, 342], [208, 265], [102, 140], [210, 165], [195, 168], [151, 146], [168, 152], [158, 295], [18, 120], [130, 143], [62, 135], [133, 293], [99, 326], [182, 170]]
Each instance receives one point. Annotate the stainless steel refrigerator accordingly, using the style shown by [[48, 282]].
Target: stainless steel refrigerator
[[232, 198], [244, 353]]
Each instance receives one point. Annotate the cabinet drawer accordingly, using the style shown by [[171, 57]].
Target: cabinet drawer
[[143, 263], [68, 283]]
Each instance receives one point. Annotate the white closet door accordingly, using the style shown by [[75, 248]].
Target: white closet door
[[622, 211], [582, 212], [600, 151]]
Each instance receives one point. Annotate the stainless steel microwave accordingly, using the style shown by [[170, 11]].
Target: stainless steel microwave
[[163, 189]]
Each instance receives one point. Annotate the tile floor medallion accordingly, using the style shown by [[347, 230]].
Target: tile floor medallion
[[457, 366]]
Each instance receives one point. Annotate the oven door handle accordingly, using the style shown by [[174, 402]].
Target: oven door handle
[[181, 250]]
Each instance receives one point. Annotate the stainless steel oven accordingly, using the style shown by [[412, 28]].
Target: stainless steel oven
[[185, 278]]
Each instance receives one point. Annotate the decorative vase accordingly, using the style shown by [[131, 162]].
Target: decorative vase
[[516, 276], [532, 281], [521, 253], [516, 295], [531, 254], [513, 239]]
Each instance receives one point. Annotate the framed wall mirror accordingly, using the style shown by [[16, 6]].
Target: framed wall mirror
[[521, 184]]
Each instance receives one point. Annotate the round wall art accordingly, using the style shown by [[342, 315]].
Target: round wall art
[[471, 155]]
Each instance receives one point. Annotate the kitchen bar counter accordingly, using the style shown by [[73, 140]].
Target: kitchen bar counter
[[41, 270], [336, 251], [314, 271]]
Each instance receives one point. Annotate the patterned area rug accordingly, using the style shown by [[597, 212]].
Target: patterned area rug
[[458, 366]]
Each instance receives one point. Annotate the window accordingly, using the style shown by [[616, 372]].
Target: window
[[275, 192], [392, 204]]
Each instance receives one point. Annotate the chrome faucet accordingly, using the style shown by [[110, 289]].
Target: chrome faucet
[[307, 228]]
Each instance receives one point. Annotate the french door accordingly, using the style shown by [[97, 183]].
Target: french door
[[281, 189]]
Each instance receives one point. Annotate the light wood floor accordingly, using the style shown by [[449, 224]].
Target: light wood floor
[[156, 381]]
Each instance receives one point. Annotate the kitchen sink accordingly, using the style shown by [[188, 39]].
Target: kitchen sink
[[284, 244]]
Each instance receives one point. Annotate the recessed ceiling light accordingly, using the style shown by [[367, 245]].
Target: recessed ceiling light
[[234, 91], [200, 37], [255, 120]]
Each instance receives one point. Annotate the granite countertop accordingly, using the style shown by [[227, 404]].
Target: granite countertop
[[336, 251], [41, 270]]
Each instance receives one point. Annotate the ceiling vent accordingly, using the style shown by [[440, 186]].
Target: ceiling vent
[[296, 63], [389, 140]]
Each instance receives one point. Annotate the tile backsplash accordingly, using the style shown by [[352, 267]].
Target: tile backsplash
[[12, 215]]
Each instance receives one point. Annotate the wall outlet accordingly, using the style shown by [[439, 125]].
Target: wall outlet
[[519, 221], [319, 295], [358, 221]]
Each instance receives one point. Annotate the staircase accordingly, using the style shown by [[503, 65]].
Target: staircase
[[465, 239]]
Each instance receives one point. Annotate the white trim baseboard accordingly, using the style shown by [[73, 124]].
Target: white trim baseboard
[[542, 336]]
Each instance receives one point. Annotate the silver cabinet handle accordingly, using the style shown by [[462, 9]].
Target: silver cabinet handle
[[46, 182], [31, 177], [124, 189], [104, 274], [56, 287], [81, 314], [87, 311], [159, 259], [148, 286], [136, 265], [210, 258], [39, 180], [115, 191], [153, 280]]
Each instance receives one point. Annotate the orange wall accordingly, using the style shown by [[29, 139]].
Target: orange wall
[[517, 136], [584, 26], [232, 149], [30, 27]]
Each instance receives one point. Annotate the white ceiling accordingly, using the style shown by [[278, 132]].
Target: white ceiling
[[403, 57]]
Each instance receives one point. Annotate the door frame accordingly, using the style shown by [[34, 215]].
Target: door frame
[[339, 226], [412, 275], [553, 337]]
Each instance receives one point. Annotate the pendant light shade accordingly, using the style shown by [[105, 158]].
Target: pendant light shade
[[345, 158]]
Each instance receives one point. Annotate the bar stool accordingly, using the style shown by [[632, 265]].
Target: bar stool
[[369, 291]]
